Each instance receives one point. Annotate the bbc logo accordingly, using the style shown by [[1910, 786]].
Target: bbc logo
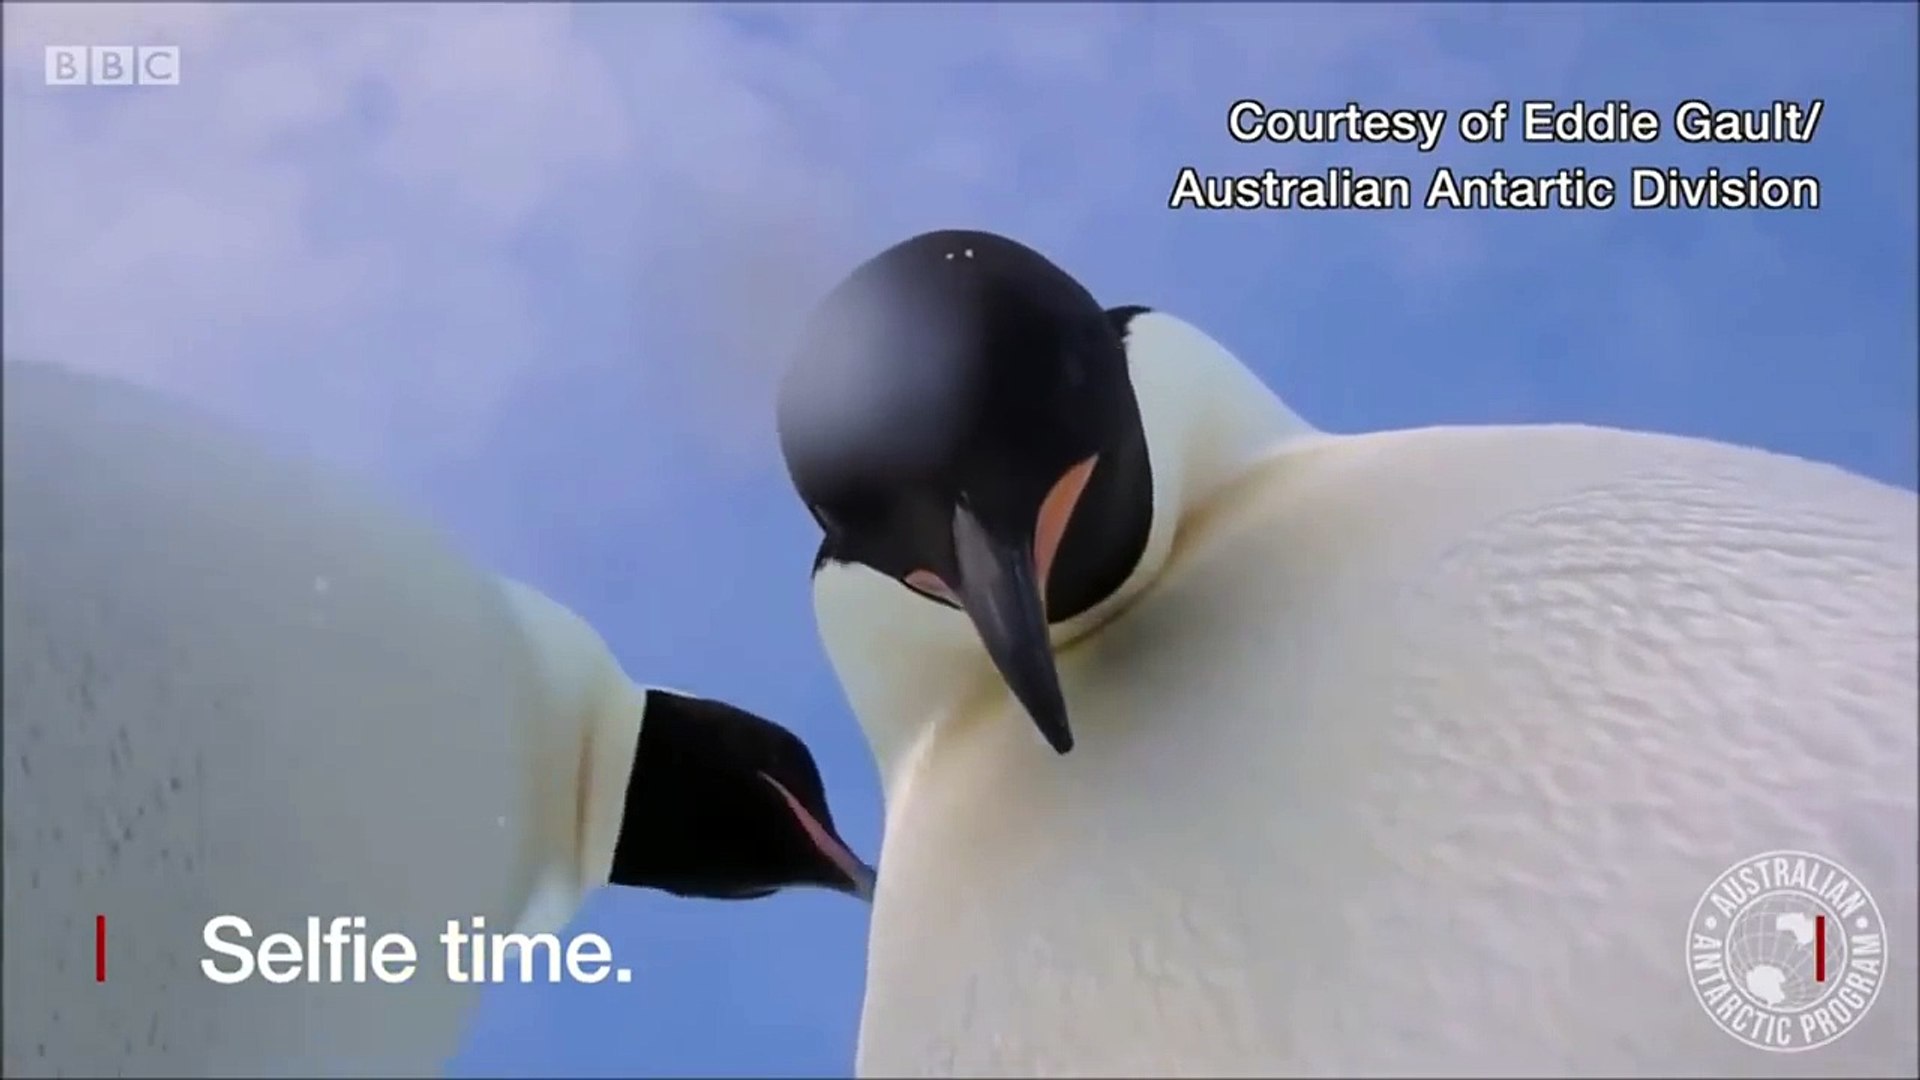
[[113, 65]]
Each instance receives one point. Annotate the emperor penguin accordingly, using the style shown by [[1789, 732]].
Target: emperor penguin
[[1407, 753], [237, 684]]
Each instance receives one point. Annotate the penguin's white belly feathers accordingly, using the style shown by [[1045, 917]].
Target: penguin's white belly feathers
[[1416, 760], [233, 686]]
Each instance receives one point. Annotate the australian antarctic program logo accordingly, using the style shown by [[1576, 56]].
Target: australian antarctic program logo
[[1786, 951]]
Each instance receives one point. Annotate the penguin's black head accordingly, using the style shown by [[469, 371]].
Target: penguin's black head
[[959, 417], [725, 805]]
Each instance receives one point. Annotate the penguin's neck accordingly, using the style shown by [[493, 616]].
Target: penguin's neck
[[1207, 419], [583, 741], [608, 758]]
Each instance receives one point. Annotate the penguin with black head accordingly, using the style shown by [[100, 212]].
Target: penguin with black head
[[1378, 740], [239, 683], [960, 419]]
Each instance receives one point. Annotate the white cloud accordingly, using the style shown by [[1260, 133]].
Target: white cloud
[[368, 227], [326, 228], [314, 227]]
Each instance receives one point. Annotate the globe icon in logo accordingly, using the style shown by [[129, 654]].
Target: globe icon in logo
[[1773, 950]]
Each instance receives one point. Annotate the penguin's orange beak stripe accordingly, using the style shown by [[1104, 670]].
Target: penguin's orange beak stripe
[[1049, 529], [859, 874], [1056, 511]]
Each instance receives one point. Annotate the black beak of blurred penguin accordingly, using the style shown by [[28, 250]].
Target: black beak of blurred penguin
[[845, 872], [959, 418]]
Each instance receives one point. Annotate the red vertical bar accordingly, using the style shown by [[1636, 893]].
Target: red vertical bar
[[99, 948], [1819, 948]]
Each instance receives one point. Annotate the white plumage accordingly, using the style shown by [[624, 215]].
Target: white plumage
[[1402, 753], [235, 685]]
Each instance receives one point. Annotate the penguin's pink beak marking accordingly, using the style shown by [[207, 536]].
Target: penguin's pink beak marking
[[829, 845], [1049, 528], [1056, 511]]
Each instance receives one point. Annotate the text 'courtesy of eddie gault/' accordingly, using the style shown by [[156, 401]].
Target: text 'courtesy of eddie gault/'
[[1641, 187]]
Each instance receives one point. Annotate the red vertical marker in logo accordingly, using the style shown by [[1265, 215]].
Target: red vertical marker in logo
[[1819, 948], [99, 948]]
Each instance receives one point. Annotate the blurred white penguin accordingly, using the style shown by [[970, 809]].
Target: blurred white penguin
[[1403, 753], [236, 686]]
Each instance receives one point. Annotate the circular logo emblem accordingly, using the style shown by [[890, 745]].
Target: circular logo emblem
[[1786, 951]]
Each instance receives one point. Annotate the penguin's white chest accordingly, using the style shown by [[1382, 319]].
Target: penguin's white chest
[[234, 687], [1416, 761]]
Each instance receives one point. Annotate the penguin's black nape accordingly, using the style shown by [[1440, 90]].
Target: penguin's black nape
[[959, 416], [722, 804]]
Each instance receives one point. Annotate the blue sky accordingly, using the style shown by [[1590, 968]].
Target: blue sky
[[531, 269]]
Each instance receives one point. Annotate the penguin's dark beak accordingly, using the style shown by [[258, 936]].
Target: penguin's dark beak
[[856, 877], [852, 875], [860, 881], [1000, 591]]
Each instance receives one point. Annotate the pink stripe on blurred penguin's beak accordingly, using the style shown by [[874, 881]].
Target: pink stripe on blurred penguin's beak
[[858, 874]]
